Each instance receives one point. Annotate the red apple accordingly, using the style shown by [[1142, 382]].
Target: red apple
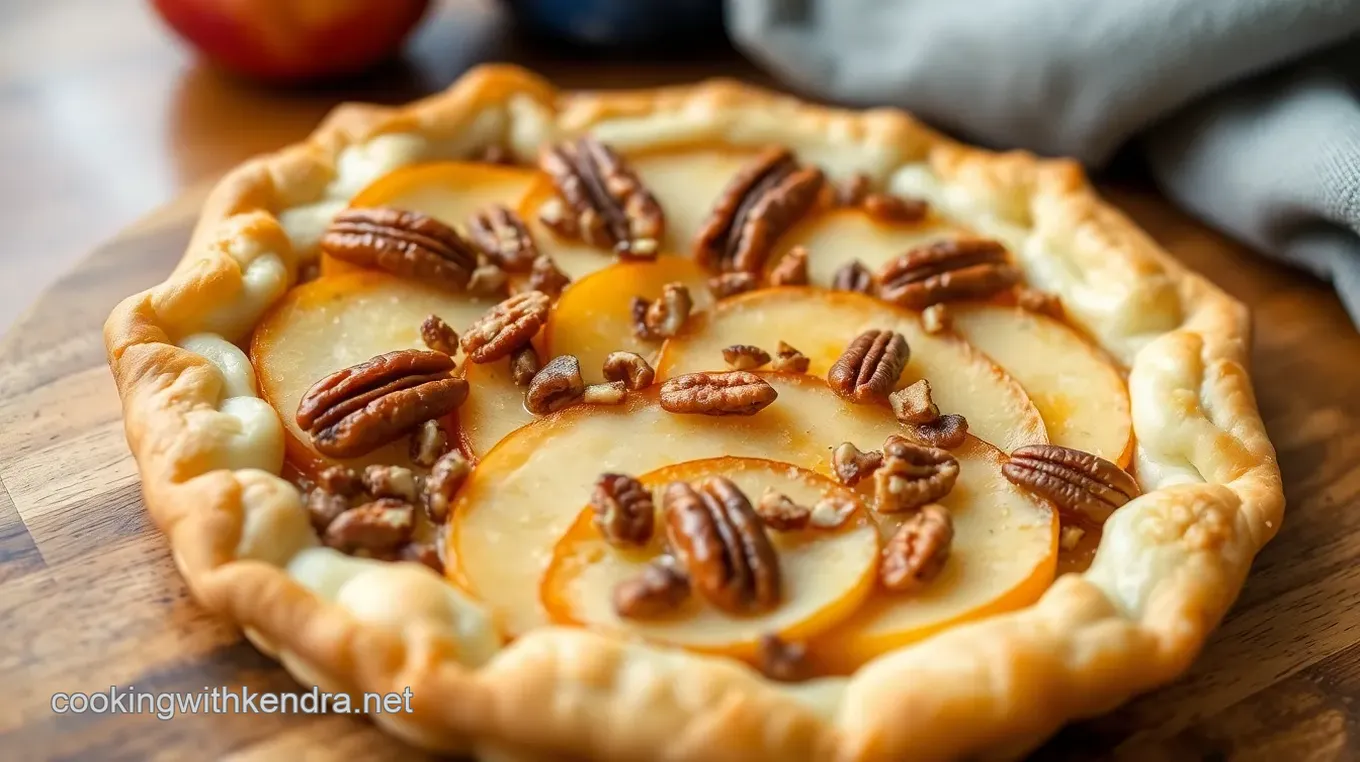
[[293, 39]]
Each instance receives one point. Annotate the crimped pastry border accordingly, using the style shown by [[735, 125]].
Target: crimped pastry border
[[1169, 566]]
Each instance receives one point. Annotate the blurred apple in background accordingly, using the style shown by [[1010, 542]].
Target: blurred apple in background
[[293, 40]]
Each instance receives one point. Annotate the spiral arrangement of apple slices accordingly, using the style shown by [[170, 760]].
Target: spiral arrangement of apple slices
[[519, 534]]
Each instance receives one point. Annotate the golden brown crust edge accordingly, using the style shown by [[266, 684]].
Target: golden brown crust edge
[[1169, 566]]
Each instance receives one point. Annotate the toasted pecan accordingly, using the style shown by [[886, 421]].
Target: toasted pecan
[[721, 541], [869, 367], [1078, 482], [736, 392]]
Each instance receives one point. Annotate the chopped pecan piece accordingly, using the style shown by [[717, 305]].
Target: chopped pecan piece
[[721, 541], [502, 237], [554, 387], [731, 284], [790, 360], [831, 512], [1079, 483], [428, 443], [851, 465], [391, 481], [869, 367], [506, 327], [853, 276], [936, 319], [744, 357], [782, 661], [918, 550], [611, 393], [1041, 302], [609, 207], [422, 553], [757, 206], [324, 506], [546, 277], [340, 480], [630, 368], [946, 432], [667, 314], [792, 270], [408, 244], [780, 513], [488, 282], [356, 410], [438, 336], [447, 475], [892, 208], [638, 312], [736, 392], [658, 590], [624, 512], [947, 270], [378, 527], [524, 365], [912, 475], [914, 404]]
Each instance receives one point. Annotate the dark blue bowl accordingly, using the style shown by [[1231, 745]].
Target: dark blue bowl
[[620, 23]]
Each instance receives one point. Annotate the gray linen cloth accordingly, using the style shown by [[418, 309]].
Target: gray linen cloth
[[1246, 110]]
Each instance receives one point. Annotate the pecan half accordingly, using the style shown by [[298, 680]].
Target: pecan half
[[658, 590], [851, 465], [611, 393], [789, 360], [524, 365], [447, 475], [722, 543], [404, 243], [428, 443], [554, 387], [781, 660], [378, 527], [667, 314], [503, 238], [853, 276], [912, 475], [609, 205], [736, 392], [918, 550], [792, 269], [958, 269], [762, 201], [744, 357], [731, 284], [780, 513], [1078, 482], [547, 277], [630, 368], [438, 335], [869, 367], [506, 327], [624, 512], [391, 481], [356, 410]]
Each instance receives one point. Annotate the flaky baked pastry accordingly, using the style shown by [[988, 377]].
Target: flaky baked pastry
[[1170, 562]]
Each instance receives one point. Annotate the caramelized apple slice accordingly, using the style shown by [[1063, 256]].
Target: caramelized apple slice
[[448, 191], [333, 323], [1077, 388], [836, 237], [526, 493], [821, 323], [494, 407], [1003, 557], [594, 316], [826, 574]]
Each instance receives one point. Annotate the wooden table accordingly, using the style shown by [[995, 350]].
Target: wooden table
[[89, 597]]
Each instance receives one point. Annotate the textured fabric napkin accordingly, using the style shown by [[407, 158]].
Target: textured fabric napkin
[[1247, 110]]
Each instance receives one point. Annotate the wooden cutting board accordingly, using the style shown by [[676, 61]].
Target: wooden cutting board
[[89, 597]]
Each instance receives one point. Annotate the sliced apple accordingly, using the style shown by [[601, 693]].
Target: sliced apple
[[825, 574], [594, 316], [1003, 557], [821, 323], [526, 493], [1076, 387], [836, 237], [448, 191], [333, 323], [494, 407]]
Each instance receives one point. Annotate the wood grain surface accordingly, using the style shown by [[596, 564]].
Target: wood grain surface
[[89, 597]]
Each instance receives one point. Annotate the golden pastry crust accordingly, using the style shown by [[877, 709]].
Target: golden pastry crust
[[1169, 565]]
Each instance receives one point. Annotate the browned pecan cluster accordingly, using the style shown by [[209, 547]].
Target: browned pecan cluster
[[602, 200], [964, 268], [757, 206], [1080, 484], [916, 409], [358, 409], [870, 366], [736, 392]]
